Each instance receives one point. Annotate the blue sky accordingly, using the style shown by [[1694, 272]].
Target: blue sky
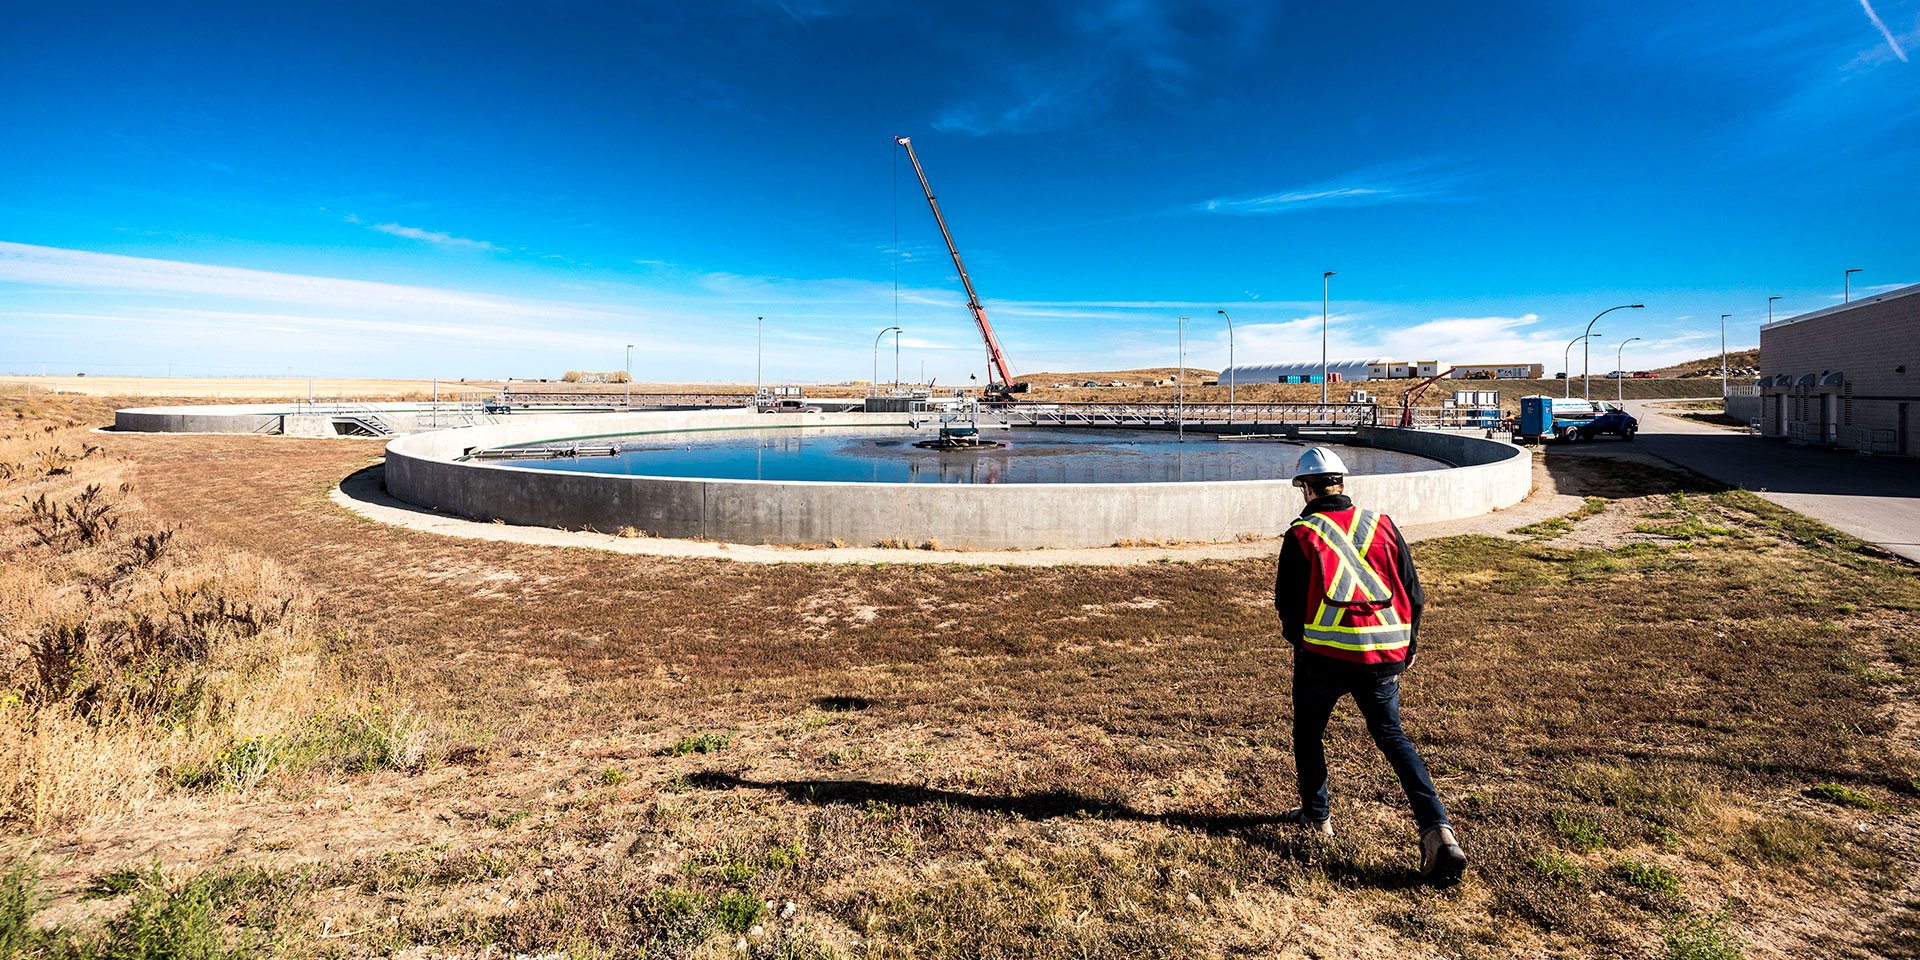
[[493, 189]]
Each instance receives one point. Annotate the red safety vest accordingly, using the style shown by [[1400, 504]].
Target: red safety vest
[[1357, 610]]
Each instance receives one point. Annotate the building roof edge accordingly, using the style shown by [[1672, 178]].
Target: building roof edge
[[1838, 308]]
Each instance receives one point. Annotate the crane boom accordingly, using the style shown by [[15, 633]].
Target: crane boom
[[997, 361]]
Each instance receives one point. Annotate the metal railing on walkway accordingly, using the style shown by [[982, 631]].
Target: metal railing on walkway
[[618, 400], [1455, 418], [1346, 415]]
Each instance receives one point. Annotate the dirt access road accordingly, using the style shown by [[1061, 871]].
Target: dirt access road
[[1874, 498]]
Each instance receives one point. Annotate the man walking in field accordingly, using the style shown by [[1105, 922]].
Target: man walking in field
[[1349, 602]]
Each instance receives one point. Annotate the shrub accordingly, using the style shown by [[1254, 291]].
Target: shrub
[[1835, 793], [1579, 832], [1557, 869], [167, 923], [19, 899], [1648, 876], [1701, 937], [703, 743], [737, 912]]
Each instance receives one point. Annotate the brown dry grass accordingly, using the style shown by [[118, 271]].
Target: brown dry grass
[[132, 656], [984, 762]]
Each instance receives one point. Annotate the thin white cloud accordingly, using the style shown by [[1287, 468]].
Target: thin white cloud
[[431, 236], [916, 343], [1882, 27], [1375, 185], [81, 269], [1074, 69]]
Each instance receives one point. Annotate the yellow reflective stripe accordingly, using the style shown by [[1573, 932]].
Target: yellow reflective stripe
[[1357, 647], [1327, 618], [1368, 521], [1368, 582], [1359, 628]]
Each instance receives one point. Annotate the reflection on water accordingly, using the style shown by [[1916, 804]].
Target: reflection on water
[[1040, 455]]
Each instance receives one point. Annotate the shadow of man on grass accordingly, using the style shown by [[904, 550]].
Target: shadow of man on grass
[[1336, 860]]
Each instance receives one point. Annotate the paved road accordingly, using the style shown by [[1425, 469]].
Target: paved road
[[1874, 498]]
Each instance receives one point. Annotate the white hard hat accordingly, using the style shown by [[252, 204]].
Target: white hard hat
[[1316, 461]]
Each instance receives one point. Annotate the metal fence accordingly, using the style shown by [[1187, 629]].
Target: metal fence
[[1870, 440], [620, 400], [1160, 414], [1454, 418], [1812, 431]]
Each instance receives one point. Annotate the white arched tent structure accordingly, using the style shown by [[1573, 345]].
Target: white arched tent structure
[[1278, 372]]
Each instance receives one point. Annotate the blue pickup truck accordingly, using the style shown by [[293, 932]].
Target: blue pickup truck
[[1571, 420]]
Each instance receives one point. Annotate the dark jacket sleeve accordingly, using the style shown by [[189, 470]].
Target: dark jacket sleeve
[[1290, 589], [1410, 588]]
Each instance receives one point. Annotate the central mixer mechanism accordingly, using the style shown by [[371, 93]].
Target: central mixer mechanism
[[960, 430]]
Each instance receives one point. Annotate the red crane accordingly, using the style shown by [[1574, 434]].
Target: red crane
[[997, 361], [1413, 393]]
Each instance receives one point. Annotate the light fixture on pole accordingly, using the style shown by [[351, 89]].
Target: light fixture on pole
[[1182, 428], [757, 324], [1229, 364], [1323, 336], [872, 388], [1586, 388], [1847, 286], [1770, 301], [1566, 375], [1723, 354], [1620, 372]]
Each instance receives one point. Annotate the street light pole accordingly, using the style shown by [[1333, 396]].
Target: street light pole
[[1566, 356], [1620, 391], [1586, 363], [1723, 354], [1847, 288], [896, 359], [875, 385], [1323, 336], [1182, 428], [757, 324], [629, 375], [1229, 364]]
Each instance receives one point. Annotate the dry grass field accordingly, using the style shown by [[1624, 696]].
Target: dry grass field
[[152, 391], [1676, 724]]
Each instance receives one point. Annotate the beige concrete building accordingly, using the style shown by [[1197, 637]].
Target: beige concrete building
[[1848, 375]]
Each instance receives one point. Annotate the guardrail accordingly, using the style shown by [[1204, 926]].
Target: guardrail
[[1157, 414], [1455, 418], [622, 401], [1869, 440], [1811, 431]]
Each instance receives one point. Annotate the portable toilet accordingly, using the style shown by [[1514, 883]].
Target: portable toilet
[[1536, 416]]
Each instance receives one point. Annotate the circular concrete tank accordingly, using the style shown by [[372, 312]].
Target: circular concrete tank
[[429, 470]]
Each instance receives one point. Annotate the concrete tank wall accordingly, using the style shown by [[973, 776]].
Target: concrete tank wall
[[293, 420], [421, 470]]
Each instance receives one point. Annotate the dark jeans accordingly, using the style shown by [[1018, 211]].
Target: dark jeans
[[1314, 693]]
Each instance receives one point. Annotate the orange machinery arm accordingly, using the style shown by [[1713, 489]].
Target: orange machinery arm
[[1413, 393], [995, 359]]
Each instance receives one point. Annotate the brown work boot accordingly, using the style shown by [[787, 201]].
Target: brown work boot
[[1298, 817], [1441, 859]]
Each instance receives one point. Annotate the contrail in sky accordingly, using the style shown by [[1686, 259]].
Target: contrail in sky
[[1891, 42]]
